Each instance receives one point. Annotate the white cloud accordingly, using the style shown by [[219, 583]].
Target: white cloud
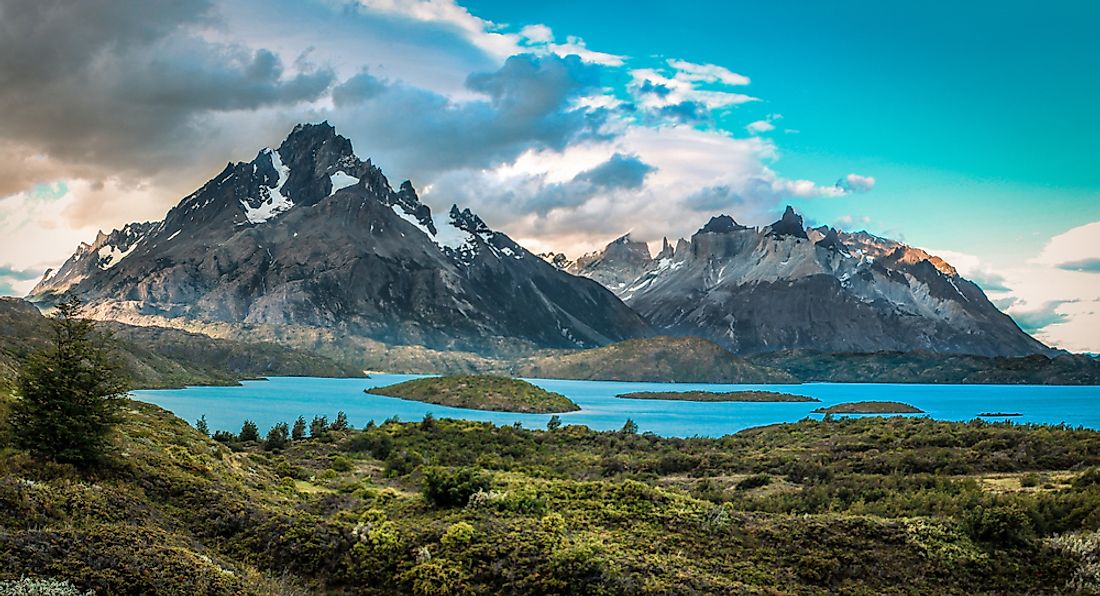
[[856, 183], [1060, 308], [708, 73], [1077, 249], [759, 126]]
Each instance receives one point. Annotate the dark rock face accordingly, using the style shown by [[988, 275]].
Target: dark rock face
[[780, 288], [309, 235]]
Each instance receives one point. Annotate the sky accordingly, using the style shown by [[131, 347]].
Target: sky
[[966, 129]]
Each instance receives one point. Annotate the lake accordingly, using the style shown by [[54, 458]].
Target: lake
[[282, 399]]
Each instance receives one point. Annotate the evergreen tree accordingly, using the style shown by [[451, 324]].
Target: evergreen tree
[[299, 431], [69, 393], [318, 427], [341, 422], [249, 432], [554, 423], [630, 428], [278, 437], [201, 426]]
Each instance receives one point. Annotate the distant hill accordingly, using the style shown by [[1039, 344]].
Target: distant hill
[[159, 357], [926, 367], [658, 359]]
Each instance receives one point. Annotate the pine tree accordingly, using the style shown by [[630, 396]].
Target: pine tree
[[69, 393], [318, 426], [630, 428], [553, 423], [249, 432], [299, 431], [341, 422], [278, 437], [202, 426]]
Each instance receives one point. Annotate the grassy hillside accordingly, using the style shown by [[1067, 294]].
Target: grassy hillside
[[659, 359], [480, 392], [889, 505], [926, 367], [158, 357], [742, 396]]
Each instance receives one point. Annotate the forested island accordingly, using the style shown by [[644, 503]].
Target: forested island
[[480, 392]]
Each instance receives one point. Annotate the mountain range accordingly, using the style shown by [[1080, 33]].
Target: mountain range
[[309, 236], [785, 286]]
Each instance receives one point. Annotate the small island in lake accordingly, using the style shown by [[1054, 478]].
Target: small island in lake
[[480, 392], [998, 414], [870, 407], [742, 396]]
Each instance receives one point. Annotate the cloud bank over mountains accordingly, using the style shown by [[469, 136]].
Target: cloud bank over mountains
[[114, 109]]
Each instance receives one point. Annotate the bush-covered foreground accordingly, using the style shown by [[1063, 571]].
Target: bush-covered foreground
[[454, 507]]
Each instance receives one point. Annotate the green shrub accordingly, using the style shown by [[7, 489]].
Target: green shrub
[[249, 432], [457, 535], [452, 488], [754, 481]]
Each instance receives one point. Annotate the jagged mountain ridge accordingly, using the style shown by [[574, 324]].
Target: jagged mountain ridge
[[787, 287], [309, 235]]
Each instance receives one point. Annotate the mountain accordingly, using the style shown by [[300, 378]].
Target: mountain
[[155, 357], [309, 235], [653, 360], [786, 287]]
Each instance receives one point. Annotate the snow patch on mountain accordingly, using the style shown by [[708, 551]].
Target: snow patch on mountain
[[275, 202], [341, 180]]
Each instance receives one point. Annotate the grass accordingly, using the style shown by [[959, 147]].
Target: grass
[[480, 392]]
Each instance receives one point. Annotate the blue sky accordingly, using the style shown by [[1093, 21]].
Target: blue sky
[[965, 111], [968, 130]]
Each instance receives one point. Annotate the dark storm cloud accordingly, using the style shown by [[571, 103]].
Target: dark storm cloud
[[1083, 266], [1034, 321], [416, 132], [621, 171], [116, 87]]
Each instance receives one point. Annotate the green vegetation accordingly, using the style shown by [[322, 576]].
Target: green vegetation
[[746, 396], [998, 414], [866, 505], [68, 393], [870, 407], [658, 359], [157, 357], [480, 392], [927, 367]]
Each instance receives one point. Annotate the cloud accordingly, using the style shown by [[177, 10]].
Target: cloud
[[760, 126], [120, 87], [1091, 265], [1042, 317], [685, 91], [529, 102], [855, 183], [1075, 249], [765, 125], [707, 73], [18, 282]]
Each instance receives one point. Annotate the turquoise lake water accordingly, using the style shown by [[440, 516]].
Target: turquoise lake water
[[282, 399]]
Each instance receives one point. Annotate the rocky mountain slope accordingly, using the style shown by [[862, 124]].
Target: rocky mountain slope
[[658, 359], [309, 235], [787, 287]]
